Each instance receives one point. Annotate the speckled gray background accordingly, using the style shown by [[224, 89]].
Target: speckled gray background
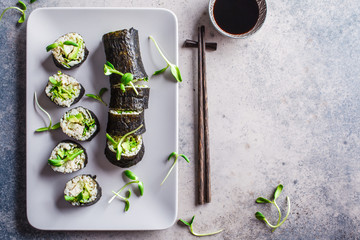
[[284, 107]]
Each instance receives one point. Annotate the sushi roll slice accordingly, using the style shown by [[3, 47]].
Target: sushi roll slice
[[122, 49], [129, 99], [67, 157], [82, 190], [64, 90], [121, 122], [80, 123], [68, 51], [133, 150]]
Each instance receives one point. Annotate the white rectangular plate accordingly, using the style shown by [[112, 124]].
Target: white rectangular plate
[[46, 207]]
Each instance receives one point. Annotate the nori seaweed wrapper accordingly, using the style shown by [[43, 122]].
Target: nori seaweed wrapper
[[128, 103], [121, 124], [122, 49], [124, 162]]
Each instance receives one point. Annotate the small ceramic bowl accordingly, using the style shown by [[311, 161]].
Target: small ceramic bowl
[[259, 23]]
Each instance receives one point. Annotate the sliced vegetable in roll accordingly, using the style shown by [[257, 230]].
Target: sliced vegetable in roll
[[121, 122], [67, 157], [80, 123], [132, 150], [68, 51], [64, 90], [122, 49], [126, 150], [82, 190]]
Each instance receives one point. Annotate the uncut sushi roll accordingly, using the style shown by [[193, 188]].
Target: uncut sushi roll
[[64, 90], [121, 122], [67, 157], [133, 150], [80, 123], [68, 51], [122, 49], [82, 190]]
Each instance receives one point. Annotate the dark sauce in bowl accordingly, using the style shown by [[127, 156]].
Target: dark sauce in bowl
[[236, 16]]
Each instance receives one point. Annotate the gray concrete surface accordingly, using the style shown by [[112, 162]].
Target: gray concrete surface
[[284, 107]]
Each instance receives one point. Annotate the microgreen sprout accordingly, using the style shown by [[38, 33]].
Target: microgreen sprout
[[261, 216], [98, 96], [126, 78], [32, 1], [50, 127], [119, 148], [134, 180], [22, 9], [175, 71], [176, 156], [190, 225]]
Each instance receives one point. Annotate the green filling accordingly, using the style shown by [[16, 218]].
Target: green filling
[[62, 156], [60, 91], [82, 197], [81, 119]]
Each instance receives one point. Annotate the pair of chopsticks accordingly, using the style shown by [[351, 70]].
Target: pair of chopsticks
[[204, 182]]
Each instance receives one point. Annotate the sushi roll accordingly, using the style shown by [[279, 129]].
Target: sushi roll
[[68, 51], [80, 123], [67, 157], [121, 122], [122, 49], [133, 150], [64, 90], [82, 190], [129, 99]]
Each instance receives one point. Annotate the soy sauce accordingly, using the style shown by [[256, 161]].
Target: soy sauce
[[236, 16]]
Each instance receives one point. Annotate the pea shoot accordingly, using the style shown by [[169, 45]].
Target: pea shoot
[[190, 225], [176, 156], [126, 78], [61, 44], [135, 180], [98, 96], [261, 216], [22, 9], [50, 127], [175, 71]]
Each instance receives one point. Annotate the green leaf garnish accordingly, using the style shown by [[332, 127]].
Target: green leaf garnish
[[161, 70], [22, 9], [130, 175], [175, 71], [126, 79], [32, 1], [190, 225], [50, 127], [136, 180], [262, 200], [278, 191], [261, 216], [98, 96], [22, 5], [176, 156], [70, 43]]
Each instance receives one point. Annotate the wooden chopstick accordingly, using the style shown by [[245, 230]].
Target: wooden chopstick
[[207, 190], [201, 163]]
